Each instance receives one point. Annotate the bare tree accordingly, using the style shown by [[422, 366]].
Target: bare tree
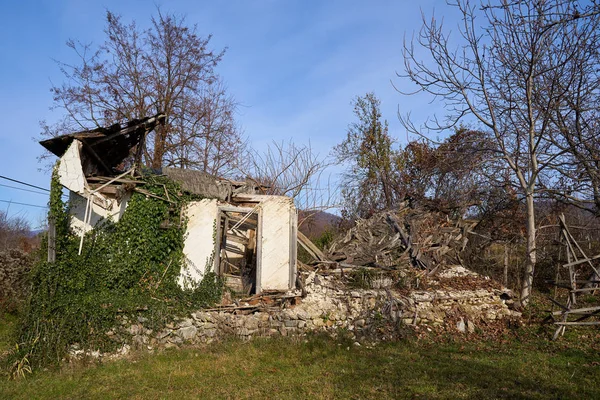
[[287, 169], [505, 74], [575, 114], [166, 68], [13, 231]]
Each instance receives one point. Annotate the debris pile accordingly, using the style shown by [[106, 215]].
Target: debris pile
[[411, 235]]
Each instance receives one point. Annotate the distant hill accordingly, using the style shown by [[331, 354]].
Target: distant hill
[[317, 223], [35, 233]]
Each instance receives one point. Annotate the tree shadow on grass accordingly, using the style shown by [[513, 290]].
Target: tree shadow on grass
[[445, 373]]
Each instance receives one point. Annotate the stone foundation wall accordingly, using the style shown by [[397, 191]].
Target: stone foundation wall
[[327, 307]]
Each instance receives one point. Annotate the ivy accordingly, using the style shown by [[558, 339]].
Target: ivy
[[127, 268]]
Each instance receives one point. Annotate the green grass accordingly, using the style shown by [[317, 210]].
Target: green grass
[[323, 368], [8, 323]]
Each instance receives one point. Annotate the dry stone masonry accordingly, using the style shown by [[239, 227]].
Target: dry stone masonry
[[330, 307]]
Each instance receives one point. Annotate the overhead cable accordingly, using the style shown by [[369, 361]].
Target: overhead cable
[[24, 183], [23, 189], [23, 204]]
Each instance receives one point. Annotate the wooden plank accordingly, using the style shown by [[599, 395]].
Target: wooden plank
[[558, 304], [252, 220], [238, 239], [577, 311], [105, 190], [309, 246], [589, 259], [119, 180], [234, 250], [591, 289], [149, 194]]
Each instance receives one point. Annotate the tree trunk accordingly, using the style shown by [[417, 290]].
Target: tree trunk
[[159, 147], [505, 265], [531, 252]]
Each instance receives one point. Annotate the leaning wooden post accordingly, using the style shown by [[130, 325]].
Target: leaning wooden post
[[51, 240]]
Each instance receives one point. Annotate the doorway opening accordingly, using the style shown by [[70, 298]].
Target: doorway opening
[[238, 250]]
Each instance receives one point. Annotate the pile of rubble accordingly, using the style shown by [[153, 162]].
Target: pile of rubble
[[409, 236]]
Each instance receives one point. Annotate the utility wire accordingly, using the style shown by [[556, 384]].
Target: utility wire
[[23, 183], [25, 190], [23, 204]]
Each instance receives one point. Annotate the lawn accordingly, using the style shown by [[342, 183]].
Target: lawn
[[324, 368]]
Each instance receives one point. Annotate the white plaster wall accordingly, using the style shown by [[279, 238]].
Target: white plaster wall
[[199, 242], [70, 172], [278, 216], [77, 203]]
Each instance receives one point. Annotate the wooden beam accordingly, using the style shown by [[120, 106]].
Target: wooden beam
[[577, 311], [578, 323], [310, 247], [238, 239], [572, 264], [95, 156]]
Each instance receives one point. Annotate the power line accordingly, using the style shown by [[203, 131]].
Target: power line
[[23, 183], [25, 190], [22, 204]]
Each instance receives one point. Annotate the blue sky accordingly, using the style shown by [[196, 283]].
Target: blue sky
[[293, 65]]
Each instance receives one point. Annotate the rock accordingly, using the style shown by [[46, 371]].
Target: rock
[[140, 340], [163, 334], [187, 332], [243, 332], [461, 326], [251, 323], [135, 329], [174, 339], [201, 316], [210, 333], [291, 323], [186, 322], [470, 327]]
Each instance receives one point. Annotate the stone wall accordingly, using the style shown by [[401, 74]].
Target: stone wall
[[328, 306]]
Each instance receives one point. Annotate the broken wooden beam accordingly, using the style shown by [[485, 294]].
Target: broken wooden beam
[[310, 247]]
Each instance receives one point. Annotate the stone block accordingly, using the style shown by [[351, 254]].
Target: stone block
[[187, 332]]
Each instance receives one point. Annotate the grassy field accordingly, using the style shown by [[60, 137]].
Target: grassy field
[[8, 323], [322, 368]]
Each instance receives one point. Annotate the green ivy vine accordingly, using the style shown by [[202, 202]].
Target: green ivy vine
[[128, 268]]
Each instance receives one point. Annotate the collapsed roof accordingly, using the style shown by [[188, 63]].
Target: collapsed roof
[[108, 147], [97, 161]]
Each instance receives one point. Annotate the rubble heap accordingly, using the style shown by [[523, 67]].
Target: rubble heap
[[411, 235]]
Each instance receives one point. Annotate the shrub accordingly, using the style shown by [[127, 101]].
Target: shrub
[[14, 285]]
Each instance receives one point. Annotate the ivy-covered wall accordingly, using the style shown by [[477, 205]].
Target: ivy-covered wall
[[127, 267]]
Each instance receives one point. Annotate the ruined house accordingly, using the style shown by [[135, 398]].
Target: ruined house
[[234, 231]]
